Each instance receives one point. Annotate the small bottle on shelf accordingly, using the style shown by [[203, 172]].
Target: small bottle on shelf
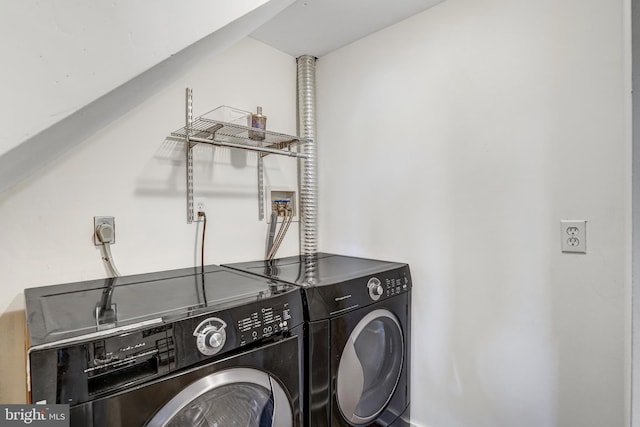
[[258, 121]]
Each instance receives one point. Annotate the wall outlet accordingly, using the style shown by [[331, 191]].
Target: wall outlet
[[198, 206], [99, 220], [573, 236]]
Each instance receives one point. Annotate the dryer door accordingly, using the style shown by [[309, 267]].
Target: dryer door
[[370, 367], [238, 396]]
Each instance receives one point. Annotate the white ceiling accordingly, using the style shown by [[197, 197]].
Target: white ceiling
[[317, 27]]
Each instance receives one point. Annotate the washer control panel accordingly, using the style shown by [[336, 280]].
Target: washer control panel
[[210, 336], [263, 322], [214, 334]]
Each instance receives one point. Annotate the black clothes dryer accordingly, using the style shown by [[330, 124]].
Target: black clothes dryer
[[176, 348], [357, 336]]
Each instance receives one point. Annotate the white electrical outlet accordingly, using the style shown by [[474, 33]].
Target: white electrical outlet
[[198, 206], [573, 236], [100, 220]]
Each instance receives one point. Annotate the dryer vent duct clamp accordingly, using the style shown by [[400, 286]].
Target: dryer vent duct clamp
[[308, 173]]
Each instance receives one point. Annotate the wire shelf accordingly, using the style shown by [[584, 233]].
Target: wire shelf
[[206, 130]]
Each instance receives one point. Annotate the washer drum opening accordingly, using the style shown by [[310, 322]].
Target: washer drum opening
[[238, 396]]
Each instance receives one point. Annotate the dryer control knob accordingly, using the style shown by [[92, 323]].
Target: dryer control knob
[[375, 288]]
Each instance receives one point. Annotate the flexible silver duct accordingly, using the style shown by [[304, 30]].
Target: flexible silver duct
[[309, 173]]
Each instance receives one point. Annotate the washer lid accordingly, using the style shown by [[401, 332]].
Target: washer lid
[[80, 310]]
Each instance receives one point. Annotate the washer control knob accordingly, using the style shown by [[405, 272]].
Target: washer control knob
[[210, 336], [215, 339], [375, 288]]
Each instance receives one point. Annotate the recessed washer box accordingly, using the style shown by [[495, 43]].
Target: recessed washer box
[[275, 194]]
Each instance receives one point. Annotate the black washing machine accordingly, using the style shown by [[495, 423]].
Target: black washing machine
[[357, 337], [175, 348]]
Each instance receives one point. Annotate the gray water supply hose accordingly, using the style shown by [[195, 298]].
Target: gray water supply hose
[[272, 233]]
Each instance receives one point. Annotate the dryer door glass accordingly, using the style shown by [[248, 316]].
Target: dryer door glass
[[236, 397], [370, 367]]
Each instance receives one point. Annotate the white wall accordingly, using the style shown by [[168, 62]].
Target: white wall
[[126, 169], [465, 134], [635, 387]]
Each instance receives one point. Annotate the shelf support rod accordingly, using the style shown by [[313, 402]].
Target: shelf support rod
[[189, 153], [249, 147], [260, 186]]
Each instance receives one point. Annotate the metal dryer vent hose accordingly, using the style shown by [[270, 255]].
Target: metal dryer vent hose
[[308, 173]]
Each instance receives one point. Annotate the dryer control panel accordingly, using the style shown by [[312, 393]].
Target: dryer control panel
[[335, 299], [395, 285], [382, 286], [391, 286]]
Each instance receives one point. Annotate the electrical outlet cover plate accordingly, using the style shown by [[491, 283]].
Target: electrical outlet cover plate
[[97, 220], [574, 236]]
